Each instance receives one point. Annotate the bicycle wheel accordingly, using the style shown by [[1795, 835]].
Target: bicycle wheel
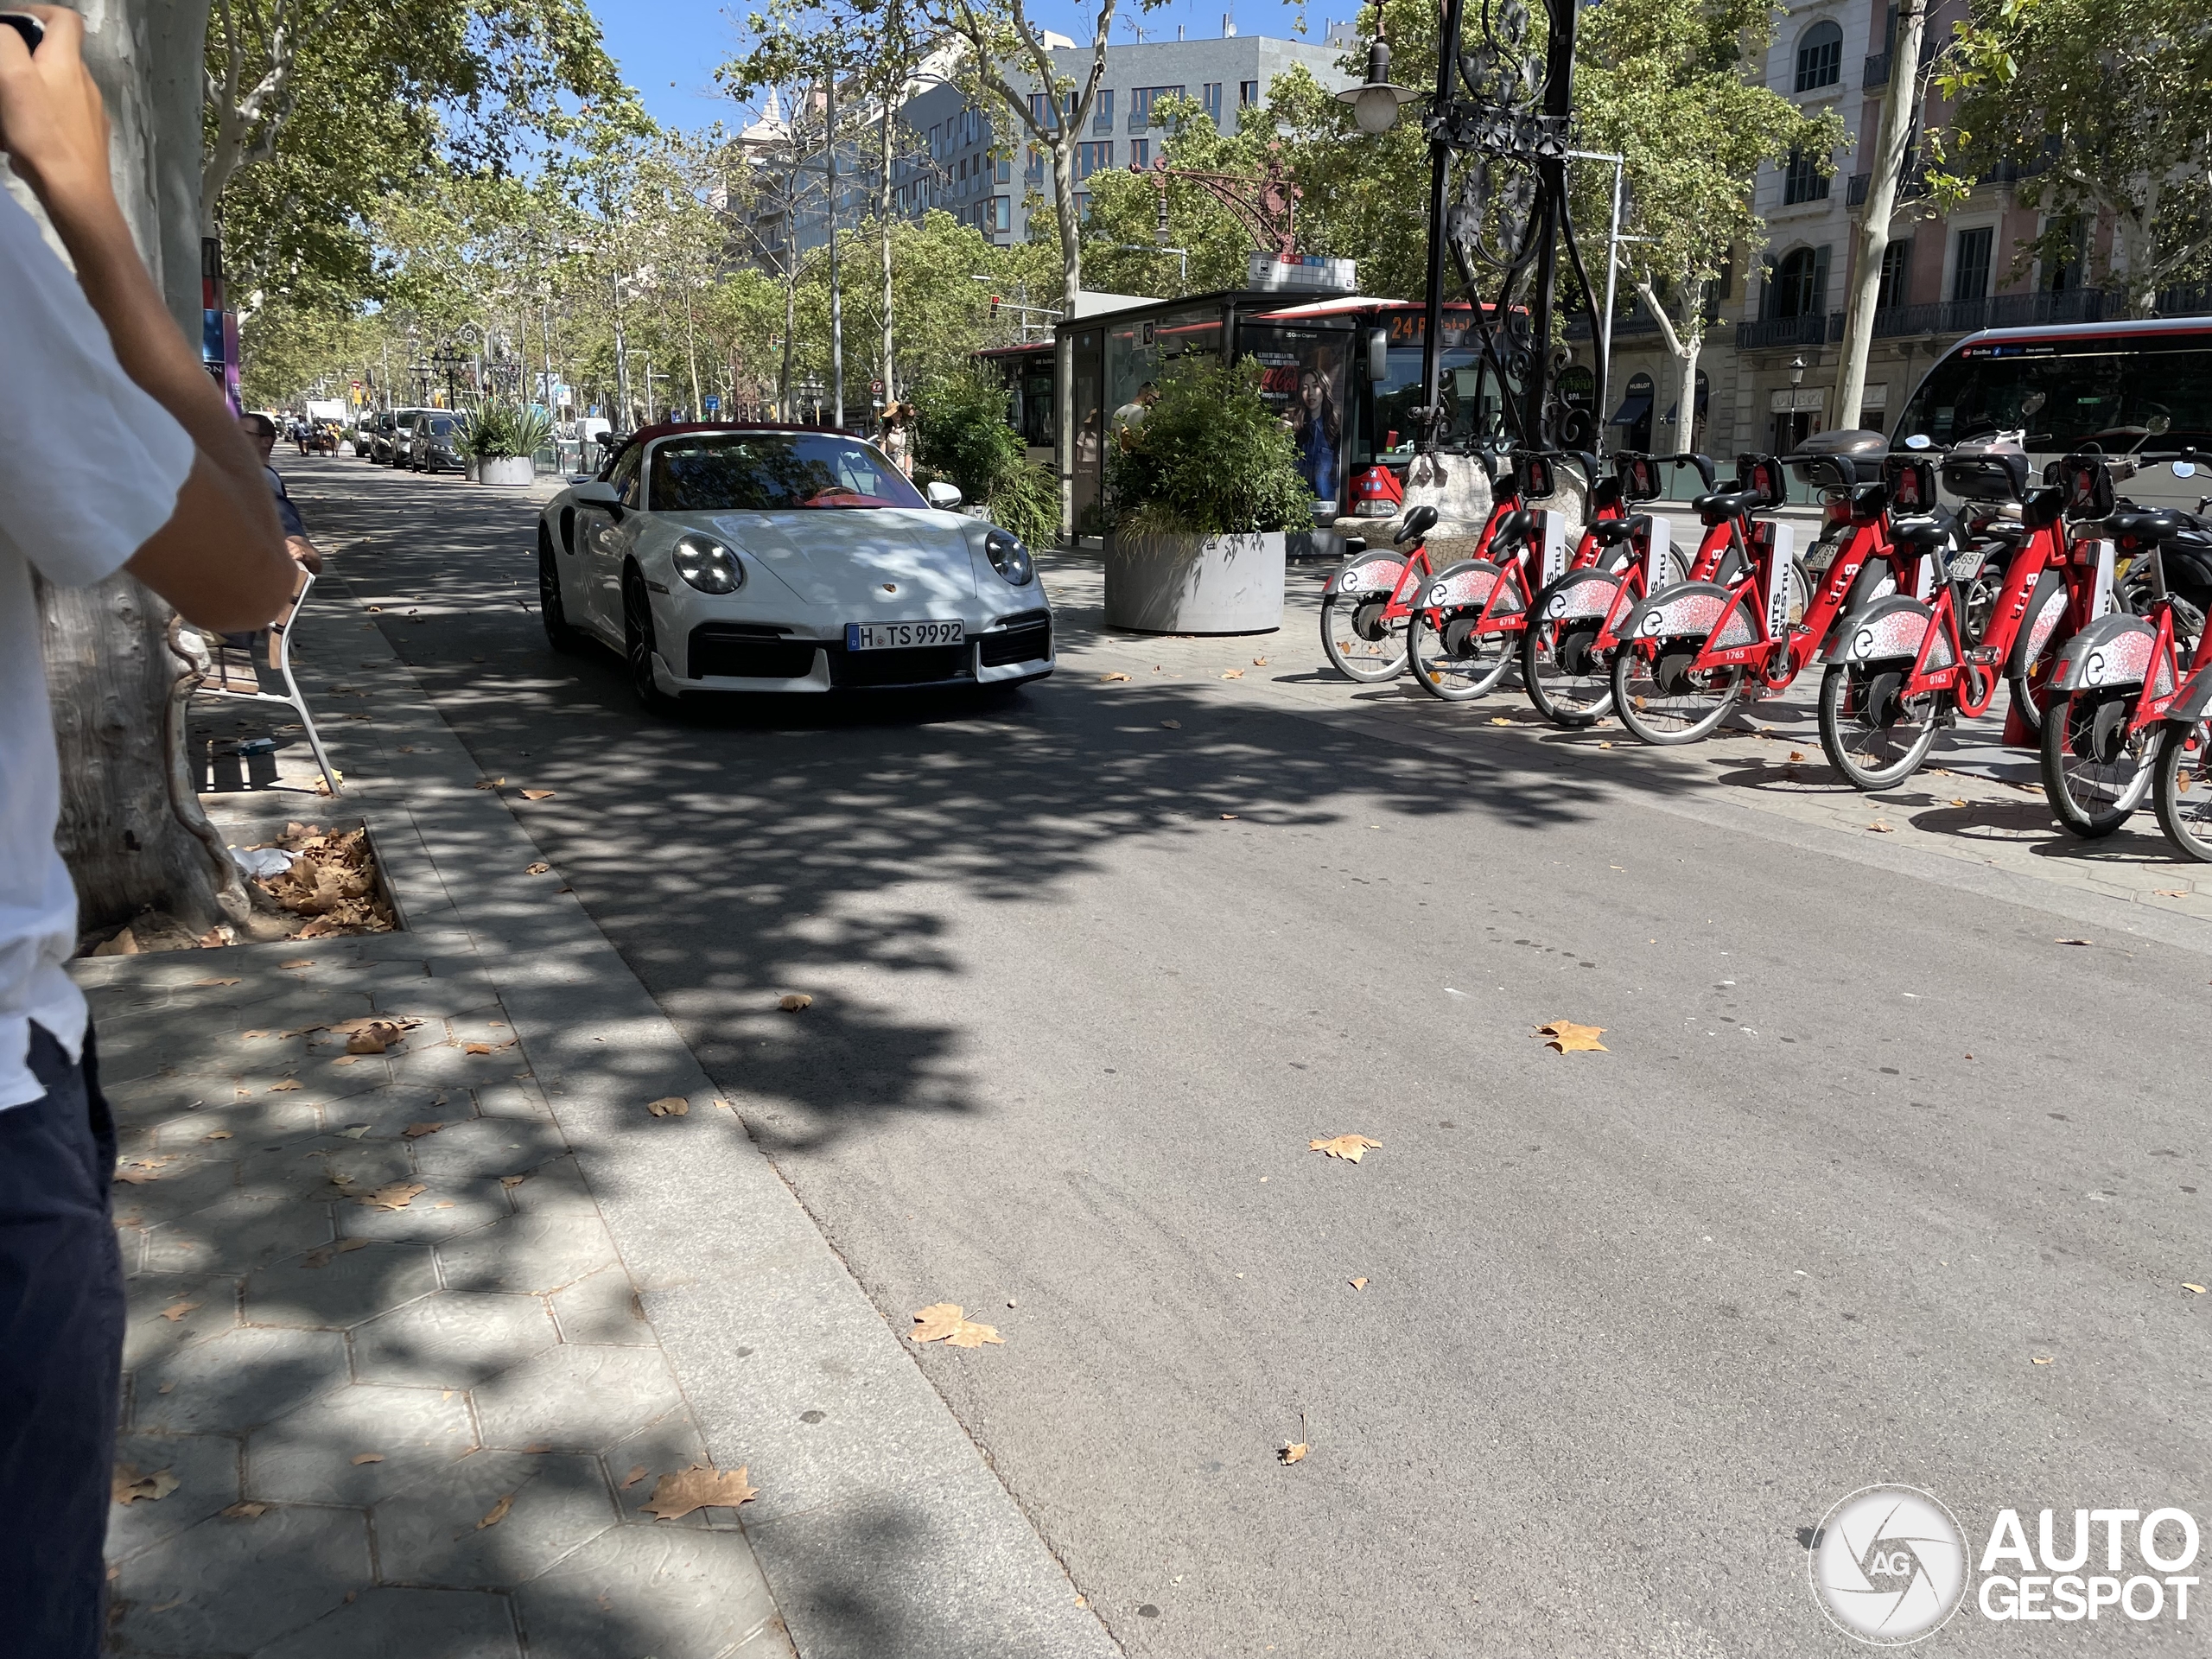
[[1450, 659], [2095, 770], [1360, 643], [2181, 789], [1870, 735], [1569, 683], [1661, 700]]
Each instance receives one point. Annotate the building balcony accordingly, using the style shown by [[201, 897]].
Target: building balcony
[[1815, 328]]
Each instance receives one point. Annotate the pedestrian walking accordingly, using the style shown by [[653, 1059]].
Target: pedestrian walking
[[122, 456], [898, 437]]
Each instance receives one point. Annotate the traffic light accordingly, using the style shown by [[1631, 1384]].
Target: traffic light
[[995, 308]]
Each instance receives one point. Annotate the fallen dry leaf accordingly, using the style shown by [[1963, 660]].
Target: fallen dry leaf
[[1880, 829], [298, 962], [1172, 725], [397, 1196], [1259, 662], [2171, 892], [948, 1322], [490, 783], [1293, 1452], [129, 1487], [537, 869], [1604, 746], [360, 1458], [2072, 941], [497, 1513], [246, 1511], [792, 1001], [285, 1087], [476, 1048], [374, 1038], [417, 1131], [513, 1180], [1958, 802], [176, 1311], [1229, 817], [1499, 720], [697, 1488], [1232, 673], [353, 1244], [354, 1131], [1111, 677], [1359, 1284], [669, 1106], [538, 794], [215, 982], [537, 1446], [2199, 1289], [636, 1473], [1349, 1148], [1796, 755], [216, 1134], [1567, 1037], [2040, 1360]]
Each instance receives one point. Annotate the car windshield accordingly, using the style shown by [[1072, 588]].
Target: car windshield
[[2109, 391], [440, 429], [769, 472]]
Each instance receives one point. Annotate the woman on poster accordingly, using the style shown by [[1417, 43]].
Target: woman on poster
[[1320, 432]]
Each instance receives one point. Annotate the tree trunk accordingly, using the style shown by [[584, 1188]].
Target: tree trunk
[[1900, 101], [131, 828], [883, 219], [1071, 291]]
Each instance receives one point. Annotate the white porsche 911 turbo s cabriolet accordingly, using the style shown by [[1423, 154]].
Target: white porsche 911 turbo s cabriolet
[[760, 558]]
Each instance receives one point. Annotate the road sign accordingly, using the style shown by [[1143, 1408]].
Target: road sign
[[875, 388], [712, 401]]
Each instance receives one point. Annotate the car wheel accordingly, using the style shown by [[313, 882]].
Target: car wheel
[[559, 634], [638, 645]]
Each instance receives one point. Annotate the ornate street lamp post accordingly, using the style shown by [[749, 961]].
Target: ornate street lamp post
[[1512, 112]]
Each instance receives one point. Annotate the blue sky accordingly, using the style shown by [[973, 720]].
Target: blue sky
[[668, 48]]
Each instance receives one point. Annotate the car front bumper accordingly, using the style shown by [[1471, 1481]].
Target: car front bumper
[[746, 657]]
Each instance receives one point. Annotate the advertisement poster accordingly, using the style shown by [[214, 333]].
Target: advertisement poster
[[1302, 378]]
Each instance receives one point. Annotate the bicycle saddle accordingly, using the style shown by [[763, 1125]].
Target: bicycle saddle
[[2152, 524], [1418, 523], [1927, 533], [1609, 531], [1724, 504]]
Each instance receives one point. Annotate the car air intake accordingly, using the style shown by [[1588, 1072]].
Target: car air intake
[[1023, 638], [738, 651], [925, 666]]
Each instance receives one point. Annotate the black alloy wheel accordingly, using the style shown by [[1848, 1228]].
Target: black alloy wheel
[[559, 634], [640, 646]]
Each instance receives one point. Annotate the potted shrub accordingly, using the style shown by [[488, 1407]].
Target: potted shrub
[[500, 443], [1202, 490]]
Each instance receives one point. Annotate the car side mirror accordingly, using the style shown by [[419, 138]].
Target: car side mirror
[[597, 493], [1378, 356], [942, 495]]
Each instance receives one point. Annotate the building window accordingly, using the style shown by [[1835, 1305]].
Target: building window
[[1820, 57], [1795, 288], [1083, 204], [1035, 170], [1005, 170], [1140, 152], [1247, 93], [1001, 214], [1102, 111], [1091, 158], [1896, 275], [1213, 102], [1801, 181], [1040, 111], [1970, 264]]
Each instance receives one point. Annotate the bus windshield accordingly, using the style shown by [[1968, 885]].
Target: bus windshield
[[2111, 390]]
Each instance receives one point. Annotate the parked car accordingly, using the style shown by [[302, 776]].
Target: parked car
[[402, 434], [380, 428], [431, 449], [747, 558]]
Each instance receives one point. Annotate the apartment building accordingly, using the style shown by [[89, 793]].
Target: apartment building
[[1768, 371]]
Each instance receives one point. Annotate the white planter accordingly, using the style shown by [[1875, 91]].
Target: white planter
[[1194, 584], [509, 470]]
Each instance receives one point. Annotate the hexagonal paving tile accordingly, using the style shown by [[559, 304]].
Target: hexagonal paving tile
[[602, 1307], [233, 1381], [312, 1164], [455, 1339], [530, 1254], [176, 1185], [576, 1398], [487, 1146], [676, 1595], [336, 1287], [206, 1471], [556, 1187], [210, 1305], [235, 1235], [438, 1532], [306, 1456], [412, 1623], [249, 1123], [231, 1585]]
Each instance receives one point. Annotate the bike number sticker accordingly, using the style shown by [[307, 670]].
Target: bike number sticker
[[1555, 535], [2102, 604]]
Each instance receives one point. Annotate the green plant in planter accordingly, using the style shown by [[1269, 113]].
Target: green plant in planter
[[1210, 459], [961, 435], [503, 431]]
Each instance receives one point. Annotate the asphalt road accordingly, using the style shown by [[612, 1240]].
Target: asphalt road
[[1866, 1144]]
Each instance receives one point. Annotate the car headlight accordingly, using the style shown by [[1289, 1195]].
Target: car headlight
[[706, 564], [1009, 558]]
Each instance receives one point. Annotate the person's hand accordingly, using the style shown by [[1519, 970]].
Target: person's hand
[[52, 124]]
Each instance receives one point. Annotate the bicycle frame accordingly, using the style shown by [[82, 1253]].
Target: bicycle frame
[[1777, 652], [1970, 676]]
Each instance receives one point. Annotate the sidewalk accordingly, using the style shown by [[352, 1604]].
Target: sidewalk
[[416, 1336]]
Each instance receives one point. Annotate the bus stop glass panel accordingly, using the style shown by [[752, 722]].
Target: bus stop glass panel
[[1302, 380]]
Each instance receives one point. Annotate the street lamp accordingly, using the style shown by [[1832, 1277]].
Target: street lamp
[[1796, 370], [1375, 102]]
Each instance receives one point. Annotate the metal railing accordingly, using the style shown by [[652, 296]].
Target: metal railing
[[1812, 329]]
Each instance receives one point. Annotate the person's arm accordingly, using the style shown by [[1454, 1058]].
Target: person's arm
[[220, 559]]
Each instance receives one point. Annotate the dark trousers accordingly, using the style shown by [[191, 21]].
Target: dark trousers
[[60, 1358]]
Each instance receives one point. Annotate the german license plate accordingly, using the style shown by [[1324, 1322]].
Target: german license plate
[[903, 636]]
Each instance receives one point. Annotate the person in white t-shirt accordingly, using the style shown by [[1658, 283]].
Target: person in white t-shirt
[[122, 456]]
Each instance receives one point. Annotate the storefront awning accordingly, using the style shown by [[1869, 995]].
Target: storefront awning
[[1632, 410]]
